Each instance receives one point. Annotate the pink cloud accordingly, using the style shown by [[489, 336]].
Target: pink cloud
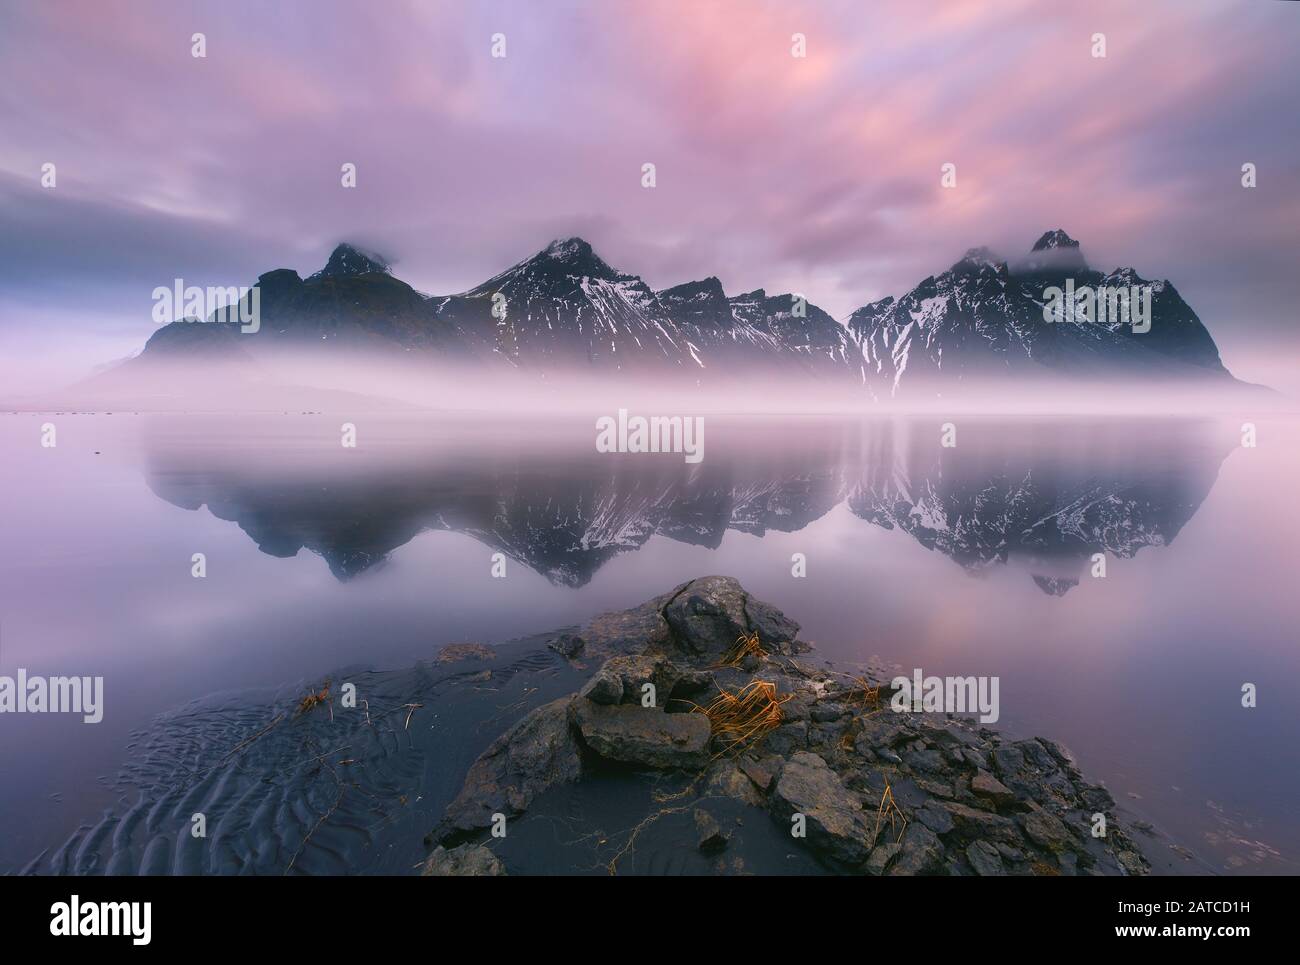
[[820, 174]]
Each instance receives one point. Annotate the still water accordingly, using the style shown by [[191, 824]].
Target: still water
[[977, 559]]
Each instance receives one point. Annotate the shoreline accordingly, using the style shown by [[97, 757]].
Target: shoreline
[[552, 733], [861, 789]]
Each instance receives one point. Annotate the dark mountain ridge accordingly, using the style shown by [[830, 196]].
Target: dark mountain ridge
[[566, 308], [984, 318]]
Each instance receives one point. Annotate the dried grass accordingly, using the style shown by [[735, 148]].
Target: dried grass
[[746, 645], [864, 695], [888, 810], [742, 718], [315, 699]]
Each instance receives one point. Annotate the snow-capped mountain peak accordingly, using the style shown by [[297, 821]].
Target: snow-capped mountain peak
[[565, 307], [984, 318], [576, 257]]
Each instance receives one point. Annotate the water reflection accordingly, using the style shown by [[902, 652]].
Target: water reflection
[[1048, 495]]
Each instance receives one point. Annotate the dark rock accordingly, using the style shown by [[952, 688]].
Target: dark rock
[[621, 680], [691, 682], [762, 772], [1061, 754], [1132, 862], [1008, 760], [938, 734], [640, 735], [925, 761], [725, 779], [1054, 786], [639, 630], [773, 627], [798, 707], [827, 735], [1033, 773], [1047, 830], [879, 731], [880, 857], [985, 859], [985, 785], [825, 711], [921, 852], [709, 837], [974, 823], [1036, 755], [836, 824], [709, 614], [1097, 798], [934, 788], [468, 860], [1008, 852], [567, 645], [953, 755], [536, 753], [787, 738], [604, 687], [935, 818]]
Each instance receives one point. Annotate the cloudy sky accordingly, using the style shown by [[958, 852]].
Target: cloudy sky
[[818, 174]]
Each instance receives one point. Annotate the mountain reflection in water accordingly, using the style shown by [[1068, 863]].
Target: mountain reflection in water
[[971, 560], [1047, 494]]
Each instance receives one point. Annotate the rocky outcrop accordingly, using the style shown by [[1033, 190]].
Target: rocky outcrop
[[865, 789], [707, 615]]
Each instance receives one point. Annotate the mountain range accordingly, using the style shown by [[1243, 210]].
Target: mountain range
[[566, 308]]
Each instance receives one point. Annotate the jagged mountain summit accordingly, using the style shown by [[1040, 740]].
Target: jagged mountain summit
[[566, 308], [566, 305], [984, 319], [349, 260], [1056, 238]]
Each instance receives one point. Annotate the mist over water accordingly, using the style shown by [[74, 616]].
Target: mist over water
[[294, 380], [970, 560]]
